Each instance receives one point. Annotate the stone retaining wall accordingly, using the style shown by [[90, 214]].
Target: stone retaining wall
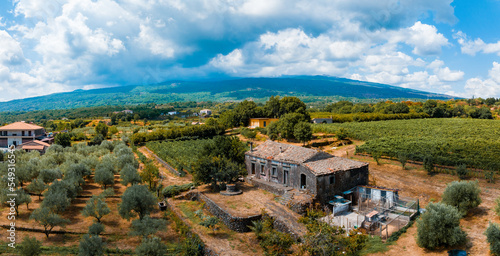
[[266, 186], [238, 224]]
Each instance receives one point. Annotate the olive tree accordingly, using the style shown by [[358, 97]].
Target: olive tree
[[30, 247], [151, 247], [91, 245], [464, 195], [129, 175], [493, 237], [48, 219], [96, 207], [137, 200], [104, 175], [37, 186], [147, 226], [439, 226]]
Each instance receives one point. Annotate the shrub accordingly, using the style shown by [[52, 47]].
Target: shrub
[[91, 245], [151, 247], [173, 190], [497, 206], [403, 159], [493, 237], [439, 226], [376, 156], [429, 164], [464, 195], [30, 247], [462, 171], [276, 243]]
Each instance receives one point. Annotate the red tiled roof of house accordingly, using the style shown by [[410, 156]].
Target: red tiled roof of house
[[20, 126]]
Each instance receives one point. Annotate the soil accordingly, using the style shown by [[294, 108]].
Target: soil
[[416, 183]]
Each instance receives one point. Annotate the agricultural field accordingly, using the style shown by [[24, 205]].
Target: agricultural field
[[449, 142], [179, 154]]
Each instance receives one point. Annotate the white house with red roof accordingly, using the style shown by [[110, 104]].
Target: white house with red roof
[[20, 132]]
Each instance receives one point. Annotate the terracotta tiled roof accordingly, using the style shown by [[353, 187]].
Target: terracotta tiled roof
[[30, 147], [35, 143], [320, 163], [20, 126]]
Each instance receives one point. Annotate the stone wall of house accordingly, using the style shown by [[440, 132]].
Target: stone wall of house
[[343, 181]]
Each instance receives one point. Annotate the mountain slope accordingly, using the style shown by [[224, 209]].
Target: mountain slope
[[222, 90]]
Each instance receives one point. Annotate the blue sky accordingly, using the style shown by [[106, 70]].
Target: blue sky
[[442, 46]]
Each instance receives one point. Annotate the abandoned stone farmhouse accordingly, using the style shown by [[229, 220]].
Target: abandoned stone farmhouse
[[321, 174]]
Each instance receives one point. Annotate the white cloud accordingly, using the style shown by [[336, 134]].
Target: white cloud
[[489, 87], [471, 47], [425, 39], [10, 50], [444, 73]]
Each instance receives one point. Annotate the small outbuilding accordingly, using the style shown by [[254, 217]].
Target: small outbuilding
[[261, 122]]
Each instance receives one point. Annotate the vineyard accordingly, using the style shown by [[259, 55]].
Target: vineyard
[[179, 154], [449, 142]]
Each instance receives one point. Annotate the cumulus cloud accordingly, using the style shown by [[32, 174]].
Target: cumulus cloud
[[73, 44], [471, 47], [489, 87]]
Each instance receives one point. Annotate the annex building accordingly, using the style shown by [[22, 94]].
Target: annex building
[[321, 174]]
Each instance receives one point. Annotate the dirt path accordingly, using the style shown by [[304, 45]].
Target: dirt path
[[168, 177], [416, 183]]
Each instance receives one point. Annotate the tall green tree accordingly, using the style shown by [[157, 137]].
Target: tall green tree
[[48, 219], [104, 176], [439, 226], [101, 128], [129, 175], [137, 200], [63, 139], [286, 124], [464, 195], [96, 207], [303, 132]]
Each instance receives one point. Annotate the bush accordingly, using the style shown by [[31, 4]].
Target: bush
[[493, 237], [439, 226], [464, 195], [173, 190], [429, 164], [30, 247], [497, 206], [151, 247], [462, 171], [276, 243]]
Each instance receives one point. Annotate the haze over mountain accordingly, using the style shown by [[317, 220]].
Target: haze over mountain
[[306, 87]]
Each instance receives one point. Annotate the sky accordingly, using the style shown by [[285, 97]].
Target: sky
[[442, 46]]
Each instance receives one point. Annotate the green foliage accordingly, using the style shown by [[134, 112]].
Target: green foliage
[[96, 228], [30, 247], [439, 226], [173, 190], [150, 174], [403, 159], [21, 197], [376, 156], [96, 207], [215, 170], [249, 134], [464, 141], [302, 132], [151, 247], [102, 128], [63, 139], [429, 164], [257, 227], [96, 140], [210, 222], [147, 226], [272, 130], [493, 237], [91, 245], [464, 195], [56, 197], [129, 175], [490, 176], [104, 175], [497, 206], [37, 186], [49, 175], [48, 219], [286, 124], [136, 200], [462, 171], [276, 243]]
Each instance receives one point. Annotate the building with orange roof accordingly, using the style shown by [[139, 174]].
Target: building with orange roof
[[20, 132], [34, 145]]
